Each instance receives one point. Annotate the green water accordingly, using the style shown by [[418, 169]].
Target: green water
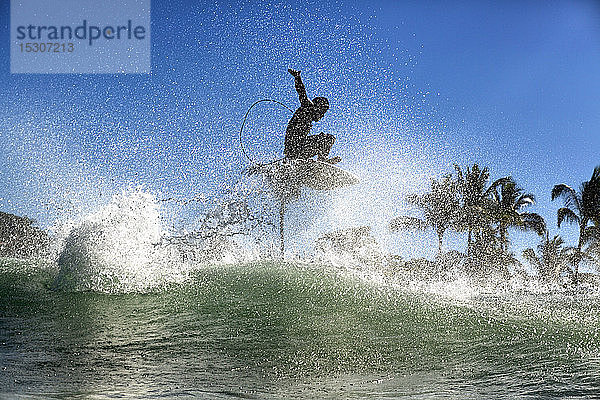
[[281, 331]]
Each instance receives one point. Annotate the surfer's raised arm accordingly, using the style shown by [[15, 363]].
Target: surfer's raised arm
[[304, 101]]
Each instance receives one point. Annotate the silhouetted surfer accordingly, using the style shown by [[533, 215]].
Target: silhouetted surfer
[[298, 142]]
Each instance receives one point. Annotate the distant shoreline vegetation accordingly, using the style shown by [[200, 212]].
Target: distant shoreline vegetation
[[467, 202], [20, 238]]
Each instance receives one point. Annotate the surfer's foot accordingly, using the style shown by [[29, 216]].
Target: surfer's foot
[[333, 160]]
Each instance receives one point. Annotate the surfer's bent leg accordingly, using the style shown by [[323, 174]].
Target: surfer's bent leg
[[293, 148], [317, 145]]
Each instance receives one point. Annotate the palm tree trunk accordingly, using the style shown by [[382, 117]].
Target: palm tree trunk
[[576, 262], [469, 242], [579, 247]]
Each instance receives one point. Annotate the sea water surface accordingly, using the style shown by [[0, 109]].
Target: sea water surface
[[285, 330]]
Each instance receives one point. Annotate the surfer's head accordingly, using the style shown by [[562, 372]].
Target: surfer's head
[[320, 107]]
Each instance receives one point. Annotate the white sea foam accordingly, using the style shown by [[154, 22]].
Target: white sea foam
[[118, 249]]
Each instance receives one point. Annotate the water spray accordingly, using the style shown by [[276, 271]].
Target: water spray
[[256, 164], [253, 165]]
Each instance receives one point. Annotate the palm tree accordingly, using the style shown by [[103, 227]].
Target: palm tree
[[594, 248], [580, 208], [510, 200], [476, 204], [592, 243], [487, 253], [439, 207], [552, 258]]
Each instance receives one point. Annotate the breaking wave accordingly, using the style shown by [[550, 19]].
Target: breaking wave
[[118, 249]]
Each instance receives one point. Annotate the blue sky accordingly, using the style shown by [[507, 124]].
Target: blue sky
[[414, 88]]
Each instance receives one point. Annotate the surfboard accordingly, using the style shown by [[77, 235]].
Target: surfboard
[[319, 175], [311, 173]]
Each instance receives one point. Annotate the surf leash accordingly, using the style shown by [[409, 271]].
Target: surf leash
[[201, 198], [244, 151]]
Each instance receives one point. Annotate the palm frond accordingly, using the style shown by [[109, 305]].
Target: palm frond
[[496, 183], [588, 257], [561, 190], [566, 214], [405, 222], [596, 174], [459, 173], [556, 241], [590, 197], [533, 222], [530, 256], [568, 194], [525, 200], [413, 199], [571, 255]]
